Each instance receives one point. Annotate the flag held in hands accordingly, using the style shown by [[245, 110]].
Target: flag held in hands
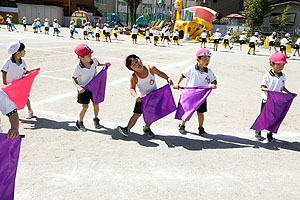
[[275, 110], [9, 156], [190, 100], [98, 84], [158, 104], [18, 91]]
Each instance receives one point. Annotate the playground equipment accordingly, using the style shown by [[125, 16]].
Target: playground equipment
[[115, 20], [80, 17], [143, 19], [192, 21]]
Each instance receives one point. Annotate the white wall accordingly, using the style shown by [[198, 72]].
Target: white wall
[[32, 12]]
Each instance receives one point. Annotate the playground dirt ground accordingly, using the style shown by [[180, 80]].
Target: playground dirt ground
[[58, 162]]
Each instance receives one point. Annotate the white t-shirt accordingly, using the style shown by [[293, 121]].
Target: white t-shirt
[[97, 30], [6, 105], [167, 33], [163, 30], [197, 78], [156, 33], [217, 35], [242, 37], [72, 27], [134, 31], [24, 21], [8, 20], [55, 25], [175, 34], [147, 33], [90, 27], [298, 41], [104, 28], [146, 84], [271, 38], [273, 83], [227, 37], [85, 75], [108, 29], [203, 35], [38, 22], [46, 24], [34, 24], [13, 71], [85, 28], [284, 42], [253, 39]]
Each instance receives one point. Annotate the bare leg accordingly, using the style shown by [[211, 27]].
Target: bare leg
[[200, 119], [133, 120], [96, 110], [83, 111], [28, 104]]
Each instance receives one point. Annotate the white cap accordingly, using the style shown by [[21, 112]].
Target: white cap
[[13, 47]]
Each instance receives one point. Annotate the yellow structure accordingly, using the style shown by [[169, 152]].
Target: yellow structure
[[194, 20]]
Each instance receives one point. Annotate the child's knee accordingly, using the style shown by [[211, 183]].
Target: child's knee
[[85, 106], [137, 115]]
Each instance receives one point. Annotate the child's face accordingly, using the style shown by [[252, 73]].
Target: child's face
[[203, 61], [21, 54], [86, 59], [277, 67], [136, 65]]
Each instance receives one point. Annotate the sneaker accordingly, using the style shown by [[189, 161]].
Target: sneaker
[[124, 131], [147, 131], [201, 131], [96, 123], [270, 137], [248, 53], [80, 126], [29, 115], [181, 129], [258, 136], [254, 53]]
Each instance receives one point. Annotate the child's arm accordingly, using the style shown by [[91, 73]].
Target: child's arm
[[4, 77], [28, 72], [78, 87], [99, 64], [287, 91], [213, 84], [161, 74], [132, 88], [13, 132], [264, 88], [178, 82]]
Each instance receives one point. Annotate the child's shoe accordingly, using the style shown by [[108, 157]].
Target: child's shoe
[[96, 123], [270, 137], [181, 129], [29, 115], [80, 126], [147, 131], [201, 131], [124, 131], [258, 136]]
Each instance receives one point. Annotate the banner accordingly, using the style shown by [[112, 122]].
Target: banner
[[19, 90], [275, 110], [158, 104], [9, 156], [190, 100]]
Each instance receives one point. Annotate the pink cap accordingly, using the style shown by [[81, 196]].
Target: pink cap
[[278, 58], [203, 52], [126, 59], [83, 50]]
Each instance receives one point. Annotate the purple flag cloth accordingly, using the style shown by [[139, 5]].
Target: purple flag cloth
[[98, 84], [276, 108], [158, 104], [9, 156], [190, 100]]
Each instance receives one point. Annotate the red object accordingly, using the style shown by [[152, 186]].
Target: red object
[[83, 50], [278, 58], [203, 52], [204, 13], [18, 91]]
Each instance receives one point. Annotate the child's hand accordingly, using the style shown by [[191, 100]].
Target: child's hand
[[176, 86], [108, 64], [213, 86], [294, 94], [38, 69], [264, 89], [138, 99], [81, 90], [12, 133], [170, 81]]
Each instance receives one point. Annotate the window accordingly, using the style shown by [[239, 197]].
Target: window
[[101, 2]]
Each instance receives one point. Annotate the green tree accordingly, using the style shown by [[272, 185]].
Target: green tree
[[132, 5], [280, 22], [255, 11]]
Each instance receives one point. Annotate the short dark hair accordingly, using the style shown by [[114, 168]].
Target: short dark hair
[[129, 60]]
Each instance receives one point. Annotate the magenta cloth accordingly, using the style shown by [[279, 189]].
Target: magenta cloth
[[97, 85], [158, 104], [9, 156], [18, 91], [276, 108], [190, 100]]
